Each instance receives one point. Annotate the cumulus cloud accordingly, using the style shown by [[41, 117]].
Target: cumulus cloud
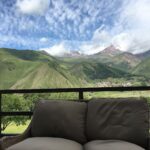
[[33, 7], [43, 39], [57, 49], [136, 16], [79, 18], [93, 25], [19, 42], [131, 31], [90, 49]]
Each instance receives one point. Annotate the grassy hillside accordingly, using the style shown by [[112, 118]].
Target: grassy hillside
[[37, 69], [32, 69], [143, 68], [124, 61], [95, 70]]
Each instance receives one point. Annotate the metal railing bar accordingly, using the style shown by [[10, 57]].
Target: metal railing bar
[[81, 96], [89, 89], [23, 113]]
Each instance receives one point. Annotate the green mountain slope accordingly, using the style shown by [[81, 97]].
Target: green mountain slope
[[32, 69], [143, 55], [124, 61], [37, 69], [143, 68], [95, 70]]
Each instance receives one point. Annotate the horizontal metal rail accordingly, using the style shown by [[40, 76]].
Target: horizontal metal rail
[[20, 113], [80, 92], [89, 89]]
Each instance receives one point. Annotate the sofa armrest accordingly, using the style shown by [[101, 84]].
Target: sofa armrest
[[6, 142]]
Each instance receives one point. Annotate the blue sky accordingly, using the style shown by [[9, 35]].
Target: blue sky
[[89, 26]]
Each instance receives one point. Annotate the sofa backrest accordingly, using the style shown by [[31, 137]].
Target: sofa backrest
[[58, 118], [122, 119]]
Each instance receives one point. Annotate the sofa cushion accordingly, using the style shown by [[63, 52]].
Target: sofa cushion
[[46, 143], [111, 145], [121, 119], [59, 118]]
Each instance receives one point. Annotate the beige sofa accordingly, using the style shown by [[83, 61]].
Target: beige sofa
[[98, 124]]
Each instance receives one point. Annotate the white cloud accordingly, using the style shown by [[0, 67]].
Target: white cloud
[[90, 49], [57, 50], [100, 40], [131, 31], [43, 39], [126, 24], [80, 16], [122, 41], [33, 7], [19, 42], [101, 35], [137, 17]]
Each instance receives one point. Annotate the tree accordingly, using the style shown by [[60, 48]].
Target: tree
[[14, 103], [25, 102]]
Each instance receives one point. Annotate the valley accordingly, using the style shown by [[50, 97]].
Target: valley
[[20, 69]]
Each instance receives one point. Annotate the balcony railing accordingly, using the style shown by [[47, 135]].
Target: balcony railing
[[80, 92]]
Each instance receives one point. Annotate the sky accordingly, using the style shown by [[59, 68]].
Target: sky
[[88, 26]]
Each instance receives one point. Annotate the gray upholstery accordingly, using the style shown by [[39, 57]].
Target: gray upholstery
[[64, 119], [46, 143], [109, 124], [111, 145], [120, 119]]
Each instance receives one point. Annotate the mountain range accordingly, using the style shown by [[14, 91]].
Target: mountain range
[[38, 69]]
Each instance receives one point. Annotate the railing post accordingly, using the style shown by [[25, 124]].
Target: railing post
[[80, 95], [0, 115]]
